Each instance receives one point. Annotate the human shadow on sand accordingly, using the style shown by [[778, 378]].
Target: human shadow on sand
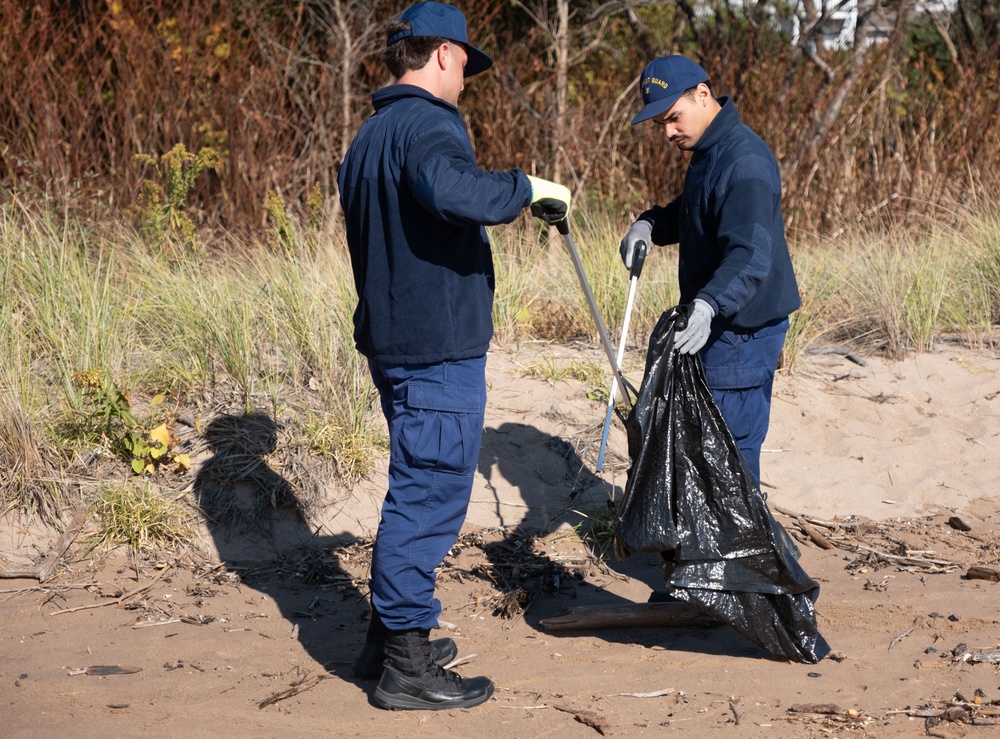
[[259, 524], [557, 488]]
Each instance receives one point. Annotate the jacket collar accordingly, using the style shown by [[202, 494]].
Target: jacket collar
[[725, 121], [393, 93]]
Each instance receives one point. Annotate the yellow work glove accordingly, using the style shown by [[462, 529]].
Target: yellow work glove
[[549, 200]]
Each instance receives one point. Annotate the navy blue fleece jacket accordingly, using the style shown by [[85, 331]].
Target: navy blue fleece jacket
[[730, 229], [416, 204]]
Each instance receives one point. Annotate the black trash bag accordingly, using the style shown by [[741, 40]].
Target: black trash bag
[[691, 496]]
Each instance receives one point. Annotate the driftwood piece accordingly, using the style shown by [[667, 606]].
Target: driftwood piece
[[51, 560], [628, 614], [957, 523], [814, 535], [983, 572]]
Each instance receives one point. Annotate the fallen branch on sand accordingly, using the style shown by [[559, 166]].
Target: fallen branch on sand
[[828, 714], [918, 561], [962, 712], [114, 601], [815, 536], [828, 541], [627, 614]]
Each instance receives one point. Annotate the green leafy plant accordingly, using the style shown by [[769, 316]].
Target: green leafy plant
[[146, 449]]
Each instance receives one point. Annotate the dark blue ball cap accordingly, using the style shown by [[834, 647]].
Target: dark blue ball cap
[[663, 81], [446, 21]]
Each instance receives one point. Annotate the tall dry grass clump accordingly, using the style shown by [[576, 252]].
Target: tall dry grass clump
[[29, 480], [248, 330], [895, 292], [241, 328]]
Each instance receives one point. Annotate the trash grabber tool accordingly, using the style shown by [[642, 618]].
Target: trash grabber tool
[[563, 228], [637, 260]]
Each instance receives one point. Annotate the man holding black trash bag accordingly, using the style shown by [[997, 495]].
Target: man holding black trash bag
[[734, 270], [415, 204]]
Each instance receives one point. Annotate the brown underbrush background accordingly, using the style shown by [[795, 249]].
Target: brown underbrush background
[[94, 92]]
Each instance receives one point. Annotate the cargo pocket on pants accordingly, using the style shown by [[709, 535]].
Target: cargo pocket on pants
[[442, 434]]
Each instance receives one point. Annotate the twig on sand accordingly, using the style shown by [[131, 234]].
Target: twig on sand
[[829, 714], [300, 687], [460, 661], [957, 711], [843, 351], [14, 592], [654, 694], [921, 561], [898, 639], [114, 601]]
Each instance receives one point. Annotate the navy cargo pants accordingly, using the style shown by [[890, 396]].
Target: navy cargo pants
[[739, 368], [435, 414]]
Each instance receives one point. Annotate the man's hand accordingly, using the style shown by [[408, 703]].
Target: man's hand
[[549, 200], [639, 237], [699, 326]]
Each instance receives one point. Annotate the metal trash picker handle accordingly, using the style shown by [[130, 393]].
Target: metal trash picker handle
[[637, 260], [563, 228]]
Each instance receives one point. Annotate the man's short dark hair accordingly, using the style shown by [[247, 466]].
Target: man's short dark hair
[[408, 53], [690, 92]]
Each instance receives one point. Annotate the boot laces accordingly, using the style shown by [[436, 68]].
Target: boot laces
[[438, 675]]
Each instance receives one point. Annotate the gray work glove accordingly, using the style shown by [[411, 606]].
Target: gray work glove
[[699, 326], [638, 238]]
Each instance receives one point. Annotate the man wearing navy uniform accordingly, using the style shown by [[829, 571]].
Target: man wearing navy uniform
[[734, 268], [415, 204]]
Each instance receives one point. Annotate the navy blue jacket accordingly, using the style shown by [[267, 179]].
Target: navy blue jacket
[[416, 205], [728, 222]]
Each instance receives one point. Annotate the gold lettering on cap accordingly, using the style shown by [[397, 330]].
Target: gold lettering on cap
[[653, 81]]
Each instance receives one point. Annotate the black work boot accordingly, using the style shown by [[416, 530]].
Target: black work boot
[[413, 681], [371, 661]]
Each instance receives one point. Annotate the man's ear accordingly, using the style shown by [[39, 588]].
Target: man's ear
[[442, 55]]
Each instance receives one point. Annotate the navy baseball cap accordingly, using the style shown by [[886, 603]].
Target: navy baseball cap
[[663, 81], [446, 21]]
